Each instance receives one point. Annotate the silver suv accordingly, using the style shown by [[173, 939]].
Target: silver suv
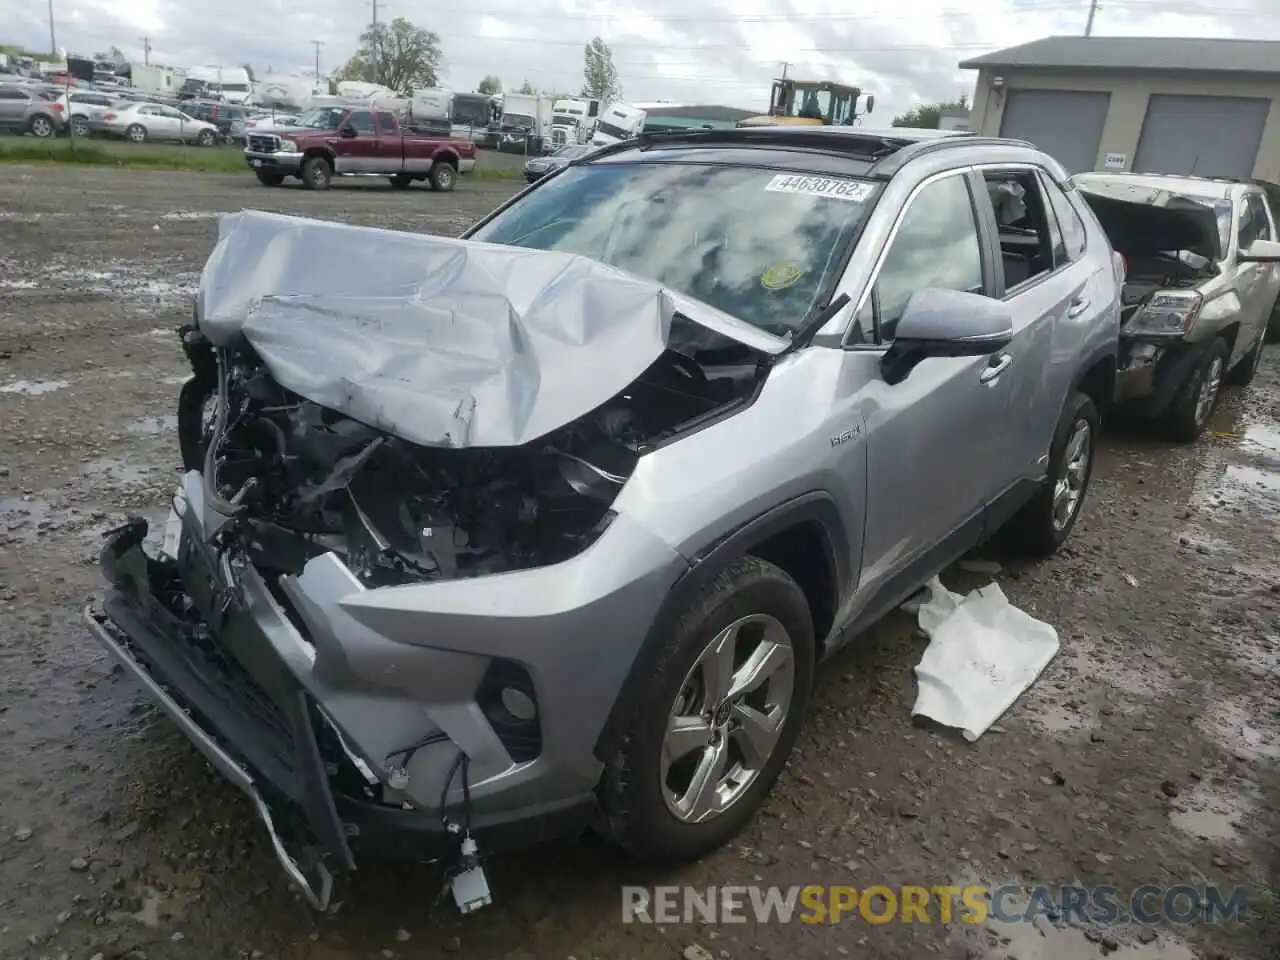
[[550, 526], [1202, 277], [25, 109]]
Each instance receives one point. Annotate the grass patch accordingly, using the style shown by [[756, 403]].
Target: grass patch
[[157, 156]]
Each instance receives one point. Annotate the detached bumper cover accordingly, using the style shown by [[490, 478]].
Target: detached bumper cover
[[306, 693]]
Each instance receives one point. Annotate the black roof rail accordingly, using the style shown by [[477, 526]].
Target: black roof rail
[[840, 141], [919, 148]]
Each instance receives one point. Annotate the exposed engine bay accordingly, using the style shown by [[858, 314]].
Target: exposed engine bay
[[297, 479], [1154, 273]]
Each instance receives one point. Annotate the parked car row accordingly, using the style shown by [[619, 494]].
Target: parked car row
[[810, 368]]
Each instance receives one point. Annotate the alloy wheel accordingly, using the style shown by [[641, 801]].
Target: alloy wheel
[[727, 719], [41, 127], [1207, 395], [1068, 489]]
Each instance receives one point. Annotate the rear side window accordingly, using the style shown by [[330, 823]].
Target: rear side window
[[387, 122], [1069, 223]]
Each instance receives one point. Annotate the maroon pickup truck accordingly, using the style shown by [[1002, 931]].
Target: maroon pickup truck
[[337, 141]]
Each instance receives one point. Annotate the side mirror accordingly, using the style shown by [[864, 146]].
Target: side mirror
[[871, 102], [946, 323], [348, 131], [1261, 251]]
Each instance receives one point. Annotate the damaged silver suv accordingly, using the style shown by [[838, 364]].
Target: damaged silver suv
[[483, 541]]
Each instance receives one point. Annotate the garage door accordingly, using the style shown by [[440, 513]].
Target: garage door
[[1066, 124], [1204, 136]]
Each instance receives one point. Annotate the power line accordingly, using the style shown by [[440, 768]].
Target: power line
[[1028, 8]]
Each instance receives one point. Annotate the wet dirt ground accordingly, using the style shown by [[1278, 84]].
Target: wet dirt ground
[[1147, 753]]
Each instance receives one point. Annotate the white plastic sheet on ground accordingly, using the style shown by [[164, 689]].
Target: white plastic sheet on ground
[[983, 654]]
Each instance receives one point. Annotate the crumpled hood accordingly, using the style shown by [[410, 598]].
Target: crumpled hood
[[438, 341], [1141, 220]]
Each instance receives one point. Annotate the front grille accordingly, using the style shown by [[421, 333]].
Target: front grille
[[264, 142]]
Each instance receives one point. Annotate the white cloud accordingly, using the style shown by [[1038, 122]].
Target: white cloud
[[723, 51]]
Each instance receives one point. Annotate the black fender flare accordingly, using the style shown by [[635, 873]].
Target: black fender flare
[[816, 508]]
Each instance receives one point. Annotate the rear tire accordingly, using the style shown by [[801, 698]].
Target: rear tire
[[136, 133], [400, 181], [442, 176], [40, 126], [1045, 523], [79, 127], [1198, 397], [269, 179], [649, 809], [317, 174]]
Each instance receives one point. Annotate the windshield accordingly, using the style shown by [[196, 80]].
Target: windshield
[[321, 118], [760, 245]]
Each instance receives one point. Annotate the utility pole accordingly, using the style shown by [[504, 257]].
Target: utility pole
[[53, 40], [373, 45], [785, 66], [318, 44], [1093, 9], [146, 51]]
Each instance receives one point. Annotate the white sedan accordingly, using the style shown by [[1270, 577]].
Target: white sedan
[[141, 122]]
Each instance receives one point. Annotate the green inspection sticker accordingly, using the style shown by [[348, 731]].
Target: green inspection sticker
[[781, 275]]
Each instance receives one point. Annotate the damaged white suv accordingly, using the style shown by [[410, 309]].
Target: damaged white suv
[[482, 541]]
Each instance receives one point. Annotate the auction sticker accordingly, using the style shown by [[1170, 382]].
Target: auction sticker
[[834, 188]]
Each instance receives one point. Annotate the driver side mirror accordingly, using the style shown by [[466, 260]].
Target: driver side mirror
[[348, 131], [1261, 251], [946, 323]]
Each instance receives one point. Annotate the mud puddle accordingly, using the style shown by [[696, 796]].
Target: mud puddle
[[34, 388]]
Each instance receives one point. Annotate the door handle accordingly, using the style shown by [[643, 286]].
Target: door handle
[[997, 366], [1078, 306]]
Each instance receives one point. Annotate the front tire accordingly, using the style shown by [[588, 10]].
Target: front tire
[[317, 174], [206, 138], [1198, 397], [442, 176], [1045, 523], [716, 718], [269, 179]]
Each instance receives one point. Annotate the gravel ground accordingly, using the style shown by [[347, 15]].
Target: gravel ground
[[1147, 752]]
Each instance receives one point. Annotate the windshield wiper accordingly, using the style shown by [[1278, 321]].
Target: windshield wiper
[[809, 328]]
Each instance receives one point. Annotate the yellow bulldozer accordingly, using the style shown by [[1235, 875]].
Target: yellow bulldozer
[[810, 102]]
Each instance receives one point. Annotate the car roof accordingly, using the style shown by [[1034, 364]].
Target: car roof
[[852, 151], [1219, 189]]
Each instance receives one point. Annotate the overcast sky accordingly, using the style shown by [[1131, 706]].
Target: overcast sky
[[718, 51]]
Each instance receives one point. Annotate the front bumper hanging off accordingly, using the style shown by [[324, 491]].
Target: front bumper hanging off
[[304, 706]]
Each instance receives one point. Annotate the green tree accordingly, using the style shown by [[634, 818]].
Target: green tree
[[489, 85], [397, 55], [599, 75], [926, 115], [526, 87]]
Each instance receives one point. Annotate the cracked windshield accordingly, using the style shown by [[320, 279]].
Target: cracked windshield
[[519, 480]]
